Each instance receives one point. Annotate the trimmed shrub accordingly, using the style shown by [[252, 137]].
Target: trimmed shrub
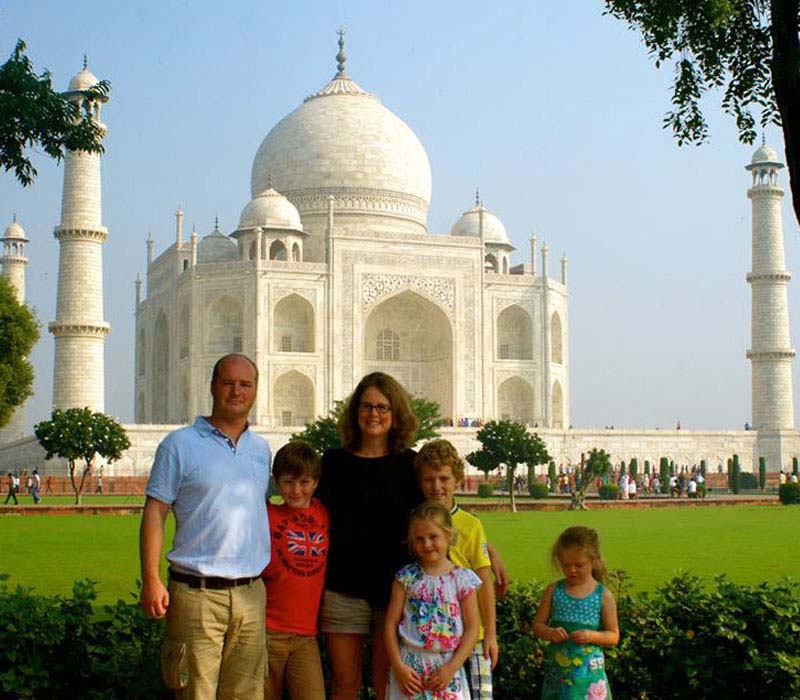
[[647, 467], [748, 480], [789, 493], [795, 467], [485, 491], [664, 468], [634, 467], [736, 475], [703, 467], [551, 474], [538, 490], [608, 492], [762, 472]]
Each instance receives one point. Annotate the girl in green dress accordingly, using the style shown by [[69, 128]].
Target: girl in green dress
[[578, 615]]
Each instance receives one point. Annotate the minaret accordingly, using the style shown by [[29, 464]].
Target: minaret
[[771, 351], [14, 263], [79, 328]]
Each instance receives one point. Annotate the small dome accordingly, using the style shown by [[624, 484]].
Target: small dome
[[469, 225], [217, 247], [83, 81], [14, 230], [270, 209], [765, 154]]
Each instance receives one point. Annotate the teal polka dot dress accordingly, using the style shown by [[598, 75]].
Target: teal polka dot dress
[[575, 671]]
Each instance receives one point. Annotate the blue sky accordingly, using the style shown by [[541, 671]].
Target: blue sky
[[553, 110]]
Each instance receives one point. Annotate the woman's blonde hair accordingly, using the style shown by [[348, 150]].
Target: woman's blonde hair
[[586, 539], [435, 512], [404, 422]]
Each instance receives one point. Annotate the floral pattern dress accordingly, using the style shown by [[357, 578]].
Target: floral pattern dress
[[431, 627], [575, 671]]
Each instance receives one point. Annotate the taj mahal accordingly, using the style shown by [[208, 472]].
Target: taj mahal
[[332, 272]]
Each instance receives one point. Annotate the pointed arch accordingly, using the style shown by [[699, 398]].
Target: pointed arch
[[277, 251], [514, 334], [557, 402], [296, 255], [515, 400], [183, 335], [141, 353], [411, 338], [140, 408], [556, 340], [159, 374], [225, 325], [293, 325], [490, 263], [293, 399]]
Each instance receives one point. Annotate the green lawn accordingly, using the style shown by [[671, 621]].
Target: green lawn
[[749, 543]]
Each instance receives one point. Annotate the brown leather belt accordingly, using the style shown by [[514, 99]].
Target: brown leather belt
[[212, 582]]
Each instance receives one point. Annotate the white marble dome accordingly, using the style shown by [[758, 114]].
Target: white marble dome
[[343, 142], [83, 81], [765, 154], [469, 225], [216, 247], [270, 209], [14, 230]]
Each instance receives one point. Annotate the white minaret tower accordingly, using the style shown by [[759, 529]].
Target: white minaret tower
[[79, 328], [771, 351], [14, 263]]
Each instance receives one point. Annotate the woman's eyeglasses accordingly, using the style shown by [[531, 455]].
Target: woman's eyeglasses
[[381, 408]]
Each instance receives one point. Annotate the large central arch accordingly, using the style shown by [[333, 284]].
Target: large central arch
[[421, 359]]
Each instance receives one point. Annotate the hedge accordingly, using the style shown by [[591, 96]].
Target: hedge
[[608, 492], [687, 639], [485, 490], [538, 490], [789, 493]]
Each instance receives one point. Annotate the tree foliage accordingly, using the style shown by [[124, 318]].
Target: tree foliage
[[598, 464], [33, 115], [510, 444], [749, 49], [19, 332], [323, 433], [77, 434]]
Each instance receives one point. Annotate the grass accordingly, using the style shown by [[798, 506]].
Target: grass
[[749, 543], [86, 499]]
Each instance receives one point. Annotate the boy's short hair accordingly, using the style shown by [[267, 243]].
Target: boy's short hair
[[437, 454], [296, 459]]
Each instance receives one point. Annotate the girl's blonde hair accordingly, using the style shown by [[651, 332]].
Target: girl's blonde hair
[[435, 512], [586, 539]]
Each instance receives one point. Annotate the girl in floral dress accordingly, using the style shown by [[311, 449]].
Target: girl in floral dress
[[432, 619], [578, 615]]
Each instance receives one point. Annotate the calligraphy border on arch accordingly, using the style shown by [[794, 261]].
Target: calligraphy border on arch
[[375, 287]]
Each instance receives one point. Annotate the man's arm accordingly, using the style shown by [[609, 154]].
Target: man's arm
[[154, 597], [499, 571]]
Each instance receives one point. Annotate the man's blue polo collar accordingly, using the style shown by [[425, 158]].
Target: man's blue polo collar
[[203, 426]]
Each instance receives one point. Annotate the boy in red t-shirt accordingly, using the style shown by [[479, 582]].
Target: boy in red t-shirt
[[295, 576]]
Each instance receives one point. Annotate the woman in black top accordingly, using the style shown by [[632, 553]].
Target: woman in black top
[[369, 489]]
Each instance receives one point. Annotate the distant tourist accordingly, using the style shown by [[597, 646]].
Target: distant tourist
[[692, 488], [36, 484], [12, 490], [578, 616]]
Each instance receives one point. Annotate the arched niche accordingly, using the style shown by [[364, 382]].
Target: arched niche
[[140, 408], [423, 363], [277, 251], [159, 375], [296, 255], [183, 409], [183, 332], [293, 325], [141, 353], [515, 400], [490, 263], [514, 334], [224, 326], [557, 412], [293, 399], [556, 340]]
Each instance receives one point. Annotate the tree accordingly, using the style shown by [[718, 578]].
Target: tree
[[598, 464], [323, 433], [750, 48], [33, 114], [77, 434], [19, 332], [508, 443]]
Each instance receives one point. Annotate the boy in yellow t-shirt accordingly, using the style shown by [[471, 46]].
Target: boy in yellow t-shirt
[[439, 470]]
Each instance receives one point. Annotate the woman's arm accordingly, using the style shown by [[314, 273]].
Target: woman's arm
[[407, 677], [439, 679], [540, 627]]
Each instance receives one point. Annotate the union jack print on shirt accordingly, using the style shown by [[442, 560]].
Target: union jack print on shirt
[[305, 544]]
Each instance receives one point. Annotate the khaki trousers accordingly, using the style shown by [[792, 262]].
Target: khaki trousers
[[218, 639], [293, 663]]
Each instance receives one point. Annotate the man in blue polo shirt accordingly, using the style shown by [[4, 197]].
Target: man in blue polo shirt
[[214, 476]]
